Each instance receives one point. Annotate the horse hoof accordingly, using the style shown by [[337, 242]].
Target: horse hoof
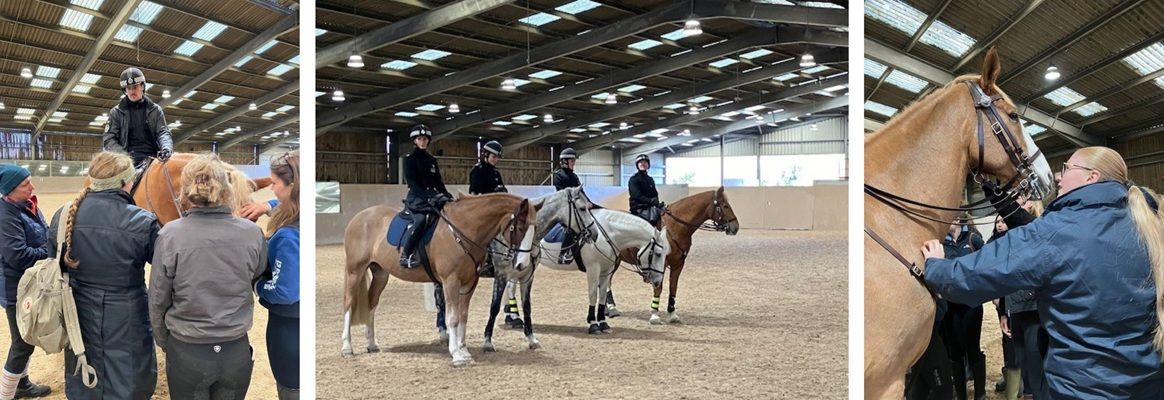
[[612, 312], [488, 347], [534, 345], [604, 327], [373, 349], [462, 363], [594, 329], [514, 324], [675, 319], [655, 320], [347, 353]]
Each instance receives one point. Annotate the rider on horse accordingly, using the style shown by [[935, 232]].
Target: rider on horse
[[563, 178], [426, 192], [644, 198], [136, 124]]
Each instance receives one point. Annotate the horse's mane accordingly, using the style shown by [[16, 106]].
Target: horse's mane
[[909, 108], [240, 184]]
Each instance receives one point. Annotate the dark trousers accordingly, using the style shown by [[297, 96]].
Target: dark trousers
[[283, 349], [199, 372], [1030, 341], [963, 327], [19, 352], [931, 377]]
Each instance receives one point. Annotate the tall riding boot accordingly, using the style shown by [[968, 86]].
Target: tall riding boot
[[978, 368], [959, 372], [286, 393], [567, 255], [408, 258], [1013, 383]]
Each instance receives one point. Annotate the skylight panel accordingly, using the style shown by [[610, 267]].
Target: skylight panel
[[320, 32], [777, 2], [947, 39], [398, 65], [631, 88], [816, 69], [673, 106], [539, 19], [94, 5], [430, 107], [577, 7], [1032, 129], [1148, 60], [48, 72], [547, 74], [723, 63], [294, 60], [906, 81], [209, 31], [1064, 96], [82, 89], [676, 35], [41, 83], [502, 123], [224, 99], [701, 99], [146, 12], [524, 117], [406, 114], [243, 61], [211, 106], [599, 125], [644, 44], [90, 78], [786, 77], [280, 70], [880, 108], [1090, 109], [520, 82], [188, 48], [756, 53], [431, 55], [269, 114], [284, 109], [820, 4], [265, 46], [896, 14], [874, 68], [77, 20], [128, 34]]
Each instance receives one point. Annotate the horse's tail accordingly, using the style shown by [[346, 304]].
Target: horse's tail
[[361, 310]]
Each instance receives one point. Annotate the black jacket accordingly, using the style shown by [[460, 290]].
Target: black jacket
[[116, 135], [423, 175], [485, 178], [642, 191], [23, 242], [565, 178], [113, 239]]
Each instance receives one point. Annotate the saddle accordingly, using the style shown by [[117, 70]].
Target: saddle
[[141, 170], [399, 226], [557, 235]]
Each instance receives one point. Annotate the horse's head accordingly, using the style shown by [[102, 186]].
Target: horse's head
[[720, 212], [993, 137], [518, 230], [653, 258]]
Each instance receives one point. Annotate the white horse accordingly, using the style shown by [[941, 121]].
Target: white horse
[[613, 232]]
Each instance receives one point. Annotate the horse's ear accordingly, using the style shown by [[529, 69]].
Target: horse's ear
[[720, 190], [524, 205], [537, 205], [991, 68], [260, 183]]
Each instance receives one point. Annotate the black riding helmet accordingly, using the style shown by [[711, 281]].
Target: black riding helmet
[[643, 157], [420, 130], [131, 76], [493, 147], [568, 153]]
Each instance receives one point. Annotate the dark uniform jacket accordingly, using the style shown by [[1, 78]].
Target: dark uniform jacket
[[424, 180], [116, 137], [485, 178], [565, 178], [643, 194]]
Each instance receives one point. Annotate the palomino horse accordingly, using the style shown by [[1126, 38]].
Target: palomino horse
[[567, 206], [916, 163], [458, 245], [614, 232], [161, 187], [681, 220]]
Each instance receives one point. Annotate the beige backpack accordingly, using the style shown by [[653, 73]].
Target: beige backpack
[[46, 313]]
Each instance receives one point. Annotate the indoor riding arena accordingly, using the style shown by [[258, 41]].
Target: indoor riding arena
[[224, 72], [748, 96], [1083, 73]]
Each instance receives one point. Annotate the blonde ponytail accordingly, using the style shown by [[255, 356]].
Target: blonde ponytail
[[1150, 224]]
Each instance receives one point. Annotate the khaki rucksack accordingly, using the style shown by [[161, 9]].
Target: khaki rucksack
[[46, 313]]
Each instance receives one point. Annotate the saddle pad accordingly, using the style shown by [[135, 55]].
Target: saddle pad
[[557, 234], [399, 226]]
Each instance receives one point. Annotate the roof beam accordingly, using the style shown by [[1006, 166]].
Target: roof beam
[[926, 26], [993, 37], [1148, 128], [1110, 91], [530, 136], [797, 15], [1066, 42], [236, 112], [830, 104], [1104, 63], [404, 29], [751, 39], [587, 145], [287, 23], [921, 69], [260, 130], [86, 63]]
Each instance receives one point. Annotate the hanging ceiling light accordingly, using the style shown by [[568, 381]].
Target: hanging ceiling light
[[254, 107], [337, 95], [686, 132], [25, 73], [623, 126], [691, 28], [166, 94], [454, 108], [693, 109], [611, 98], [508, 84], [1, 105], [356, 61], [548, 118], [807, 60], [1052, 73]]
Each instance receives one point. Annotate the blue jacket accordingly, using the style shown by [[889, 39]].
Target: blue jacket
[[278, 288], [1094, 290], [23, 239]]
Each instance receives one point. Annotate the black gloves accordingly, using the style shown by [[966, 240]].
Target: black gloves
[[164, 154]]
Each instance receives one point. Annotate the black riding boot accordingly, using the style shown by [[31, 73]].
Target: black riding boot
[[408, 257], [978, 369], [567, 255]]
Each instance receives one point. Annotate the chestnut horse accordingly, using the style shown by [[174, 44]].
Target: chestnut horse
[[161, 186], [458, 245], [681, 219], [924, 154]]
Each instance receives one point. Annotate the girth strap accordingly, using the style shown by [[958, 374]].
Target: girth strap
[[912, 267]]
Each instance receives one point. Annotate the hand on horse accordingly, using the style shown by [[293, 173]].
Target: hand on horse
[[254, 210], [164, 154], [933, 249]]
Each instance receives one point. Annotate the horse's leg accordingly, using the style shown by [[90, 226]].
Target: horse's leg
[[611, 308], [675, 271], [379, 281], [525, 309], [355, 298], [658, 290], [603, 287], [499, 288], [463, 309], [592, 278], [439, 296], [452, 311], [512, 319]]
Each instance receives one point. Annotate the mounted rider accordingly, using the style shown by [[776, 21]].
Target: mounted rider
[[136, 124], [426, 192], [563, 178], [644, 198], [485, 178]]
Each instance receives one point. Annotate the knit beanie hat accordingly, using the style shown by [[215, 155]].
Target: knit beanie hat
[[11, 176]]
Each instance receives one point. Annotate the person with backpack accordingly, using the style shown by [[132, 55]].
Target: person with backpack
[[200, 293], [278, 288], [24, 240], [108, 240]]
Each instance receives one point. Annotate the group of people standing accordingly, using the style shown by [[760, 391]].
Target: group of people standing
[[1079, 288]]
